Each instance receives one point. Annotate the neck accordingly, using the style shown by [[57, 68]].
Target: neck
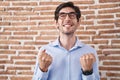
[[67, 41]]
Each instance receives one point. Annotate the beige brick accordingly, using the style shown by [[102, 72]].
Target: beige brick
[[15, 18], [110, 31], [3, 77], [3, 13], [29, 52], [84, 37], [86, 33], [108, 52], [49, 3], [87, 12], [46, 13], [8, 72], [9, 42], [109, 47], [118, 15], [105, 37], [25, 62], [115, 41], [20, 78], [7, 52], [15, 29], [21, 38], [86, 23], [111, 74], [4, 3], [23, 47], [23, 23], [103, 78], [25, 33], [3, 37], [104, 6], [115, 78], [1, 68], [44, 8], [5, 33], [5, 23], [84, 2], [18, 68], [35, 43], [0, 20], [41, 18], [25, 73], [14, 8], [25, 13], [99, 42], [6, 62], [105, 21], [100, 27], [111, 63], [109, 11], [46, 22], [104, 1], [3, 56], [2, 8], [26, 3], [46, 38], [44, 27], [22, 57], [110, 68]]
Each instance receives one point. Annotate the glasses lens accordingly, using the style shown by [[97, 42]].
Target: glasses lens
[[72, 15], [63, 15]]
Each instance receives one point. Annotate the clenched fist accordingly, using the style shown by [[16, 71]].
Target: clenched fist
[[44, 61], [87, 61]]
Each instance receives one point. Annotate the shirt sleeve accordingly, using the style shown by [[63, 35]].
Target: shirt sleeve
[[95, 74], [90, 77], [38, 74]]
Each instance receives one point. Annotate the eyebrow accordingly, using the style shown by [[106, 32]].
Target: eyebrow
[[68, 12]]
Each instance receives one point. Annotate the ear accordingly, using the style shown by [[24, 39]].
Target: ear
[[56, 24], [79, 22]]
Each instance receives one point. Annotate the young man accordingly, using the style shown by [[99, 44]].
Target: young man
[[67, 58]]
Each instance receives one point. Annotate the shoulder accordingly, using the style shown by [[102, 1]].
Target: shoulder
[[88, 48], [48, 46]]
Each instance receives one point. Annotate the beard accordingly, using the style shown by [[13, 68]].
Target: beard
[[67, 29], [68, 33]]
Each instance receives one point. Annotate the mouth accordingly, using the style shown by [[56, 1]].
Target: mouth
[[67, 25]]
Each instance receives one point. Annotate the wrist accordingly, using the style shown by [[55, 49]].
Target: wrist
[[87, 72], [43, 69]]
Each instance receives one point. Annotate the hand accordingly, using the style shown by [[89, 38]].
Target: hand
[[87, 61], [44, 61]]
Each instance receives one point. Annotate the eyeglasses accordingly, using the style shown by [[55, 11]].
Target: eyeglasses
[[72, 15]]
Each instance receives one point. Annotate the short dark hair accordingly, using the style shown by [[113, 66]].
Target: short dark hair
[[67, 4]]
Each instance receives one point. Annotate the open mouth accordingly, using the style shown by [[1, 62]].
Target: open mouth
[[67, 25]]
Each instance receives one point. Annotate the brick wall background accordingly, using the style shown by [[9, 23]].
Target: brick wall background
[[26, 25]]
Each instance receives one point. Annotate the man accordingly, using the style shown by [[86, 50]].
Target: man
[[67, 58]]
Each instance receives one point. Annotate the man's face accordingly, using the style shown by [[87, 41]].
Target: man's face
[[67, 21]]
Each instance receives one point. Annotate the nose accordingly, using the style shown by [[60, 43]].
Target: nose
[[67, 17]]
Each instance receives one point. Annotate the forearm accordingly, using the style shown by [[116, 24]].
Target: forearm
[[38, 74]]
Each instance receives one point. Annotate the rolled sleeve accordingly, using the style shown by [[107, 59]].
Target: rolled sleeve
[[38, 74], [88, 77]]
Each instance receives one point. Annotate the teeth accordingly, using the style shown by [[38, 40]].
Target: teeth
[[67, 25]]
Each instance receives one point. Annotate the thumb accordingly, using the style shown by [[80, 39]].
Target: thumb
[[42, 52]]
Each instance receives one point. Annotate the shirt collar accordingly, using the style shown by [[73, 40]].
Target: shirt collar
[[77, 44]]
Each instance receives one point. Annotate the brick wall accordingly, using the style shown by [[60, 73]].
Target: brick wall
[[26, 25]]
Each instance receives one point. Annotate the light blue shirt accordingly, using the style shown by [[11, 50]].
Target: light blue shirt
[[66, 64]]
